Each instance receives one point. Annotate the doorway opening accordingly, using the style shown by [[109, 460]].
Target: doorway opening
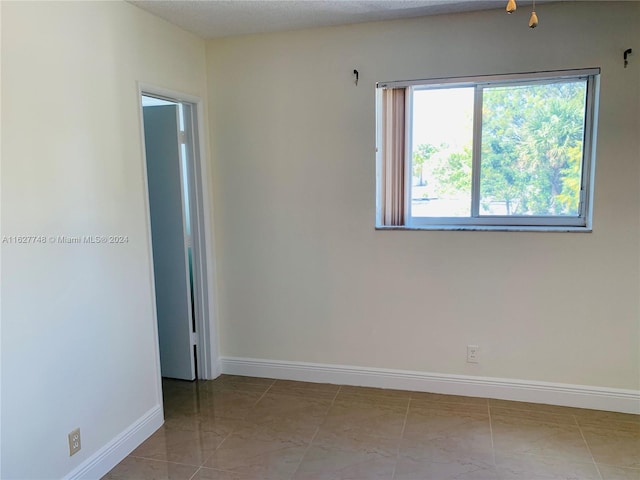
[[180, 234]]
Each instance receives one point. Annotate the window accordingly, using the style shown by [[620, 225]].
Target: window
[[500, 152]]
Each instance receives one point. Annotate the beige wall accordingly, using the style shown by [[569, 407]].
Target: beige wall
[[78, 345], [303, 275]]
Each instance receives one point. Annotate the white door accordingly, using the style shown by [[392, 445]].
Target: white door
[[169, 242]]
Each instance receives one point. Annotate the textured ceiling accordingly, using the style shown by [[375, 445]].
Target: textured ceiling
[[220, 18]]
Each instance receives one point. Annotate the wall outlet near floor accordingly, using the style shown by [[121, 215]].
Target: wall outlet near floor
[[473, 354], [74, 442]]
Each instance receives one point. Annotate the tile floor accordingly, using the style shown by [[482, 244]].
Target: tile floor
[[242, 428]]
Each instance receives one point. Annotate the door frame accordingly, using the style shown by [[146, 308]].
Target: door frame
[[204, 284]]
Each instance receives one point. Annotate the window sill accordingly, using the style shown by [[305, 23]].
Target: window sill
[[488, 228]]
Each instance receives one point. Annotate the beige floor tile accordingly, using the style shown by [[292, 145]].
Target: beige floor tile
[[374, 396], [270, 463], [609, 472], [243, 387], [241, 379], [463, 409], [375, 392], [276, 407], [143, 469], [263, 452], [531, 467], [170, 385], [448, 450], [180, 446], [608, 419], [246, 428], [534, 407], [418, 398], [225, 403], [374, 419], [237, 383], [183, 400], [304, 389], [447, 436], [212, 474], [535, 415], [354, 441], [619, 447], [322, 462], [444, 469], [283, 430], [210, 401], [465, 425], [525, 436], [202, 422], [299, 428]]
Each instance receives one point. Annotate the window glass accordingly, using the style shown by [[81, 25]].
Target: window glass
[[441, 152], [532, 142], [507, 151]]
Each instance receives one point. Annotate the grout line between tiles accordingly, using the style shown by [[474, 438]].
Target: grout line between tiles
[[588, 447], [335, 396], [493, 447], [163, 461], [269, 387], [293, 474], [315, 434], [406, 417], [217, 447], [195, 473], [404, 425], [262, 396]]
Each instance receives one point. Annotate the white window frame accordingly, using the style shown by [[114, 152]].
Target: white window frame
[[582, 222]]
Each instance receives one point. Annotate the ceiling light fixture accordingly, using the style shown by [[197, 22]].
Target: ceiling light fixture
[[533, 19]]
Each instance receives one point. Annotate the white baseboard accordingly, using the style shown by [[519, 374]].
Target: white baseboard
[[581, 396], [100, 463]]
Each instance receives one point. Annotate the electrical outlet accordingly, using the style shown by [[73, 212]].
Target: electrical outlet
[[74, 442], [473, 354]]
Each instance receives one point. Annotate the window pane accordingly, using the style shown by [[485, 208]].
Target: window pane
[[441, 152], [532, 138]]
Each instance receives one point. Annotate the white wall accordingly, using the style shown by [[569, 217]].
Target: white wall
[[78, 345], [303, 275]]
